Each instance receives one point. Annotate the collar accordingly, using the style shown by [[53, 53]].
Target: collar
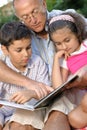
[[47, 21], [29, 66]]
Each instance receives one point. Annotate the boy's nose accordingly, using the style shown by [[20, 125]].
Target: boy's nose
[[25, 53]]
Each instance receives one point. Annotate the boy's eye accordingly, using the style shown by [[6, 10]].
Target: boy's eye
[[29, 47], [19, 50]]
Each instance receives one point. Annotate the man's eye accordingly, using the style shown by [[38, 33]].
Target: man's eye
[[24, 17], [35, 11]]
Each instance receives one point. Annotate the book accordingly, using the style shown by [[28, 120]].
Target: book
[[44, 102]]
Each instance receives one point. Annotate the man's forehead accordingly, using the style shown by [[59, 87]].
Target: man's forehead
[[23, 1], [20, 1], [25, 5], [17, 4]]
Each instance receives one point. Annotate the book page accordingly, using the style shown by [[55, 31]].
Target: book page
[[28, 105]]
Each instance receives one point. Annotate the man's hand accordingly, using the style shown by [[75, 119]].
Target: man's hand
[[41, 89], [80, 82], [37, 93]]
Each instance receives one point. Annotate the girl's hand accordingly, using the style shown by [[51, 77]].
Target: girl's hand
[[62, 53], [66, 55]]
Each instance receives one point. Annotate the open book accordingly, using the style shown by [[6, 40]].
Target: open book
[[44, 102]]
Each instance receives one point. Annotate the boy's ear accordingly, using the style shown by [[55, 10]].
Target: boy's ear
[[5, 50]]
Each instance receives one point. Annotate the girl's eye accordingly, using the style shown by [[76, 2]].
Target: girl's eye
[[57, 44], [67, 40]]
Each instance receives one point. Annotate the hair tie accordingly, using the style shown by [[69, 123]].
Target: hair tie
[[62, 17]]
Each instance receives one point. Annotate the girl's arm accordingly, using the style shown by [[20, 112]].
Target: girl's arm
[[59, 75]]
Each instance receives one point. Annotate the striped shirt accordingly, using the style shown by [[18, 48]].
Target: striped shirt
[[35, 70]]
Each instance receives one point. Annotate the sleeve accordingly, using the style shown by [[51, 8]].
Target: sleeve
[[63, 63], [1, 89], [42, 74], [2, 56], [85, 43]]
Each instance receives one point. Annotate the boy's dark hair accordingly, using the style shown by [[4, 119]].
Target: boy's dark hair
[[79, 27], [13, 31]]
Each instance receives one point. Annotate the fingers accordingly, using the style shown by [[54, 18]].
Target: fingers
[[83, 71], [66, 55], [18, 98], [39, 91], [43, 90]]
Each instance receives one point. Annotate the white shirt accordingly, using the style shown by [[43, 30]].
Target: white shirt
[[36, 70]]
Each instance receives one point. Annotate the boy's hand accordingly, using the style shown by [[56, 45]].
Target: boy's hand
[[23, 96], [26, 95]]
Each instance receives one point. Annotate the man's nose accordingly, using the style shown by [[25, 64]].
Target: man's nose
[[33, 19]]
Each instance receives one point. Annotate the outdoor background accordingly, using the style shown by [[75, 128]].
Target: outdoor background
[[7, 14]]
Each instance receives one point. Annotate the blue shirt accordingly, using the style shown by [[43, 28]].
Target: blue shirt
[[45, 47]]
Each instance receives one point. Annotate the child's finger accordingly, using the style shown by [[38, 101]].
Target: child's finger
[[15, 97]]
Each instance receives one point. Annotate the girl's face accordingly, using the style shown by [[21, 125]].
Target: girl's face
[[19, 53], [66, 40]]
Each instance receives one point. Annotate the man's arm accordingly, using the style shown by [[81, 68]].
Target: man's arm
[[9, 76], [12, 77]]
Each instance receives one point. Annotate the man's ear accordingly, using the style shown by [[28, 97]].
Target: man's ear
[[5, 50], [44, 3], [44, 6]]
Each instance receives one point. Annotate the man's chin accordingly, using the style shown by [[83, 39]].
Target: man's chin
[[38, 30]]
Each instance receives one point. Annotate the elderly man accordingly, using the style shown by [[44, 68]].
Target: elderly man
[[34, 14]]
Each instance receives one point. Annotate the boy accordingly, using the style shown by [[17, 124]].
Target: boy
[[15, 41]]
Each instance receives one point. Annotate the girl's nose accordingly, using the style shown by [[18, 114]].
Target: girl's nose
[[64, 46]]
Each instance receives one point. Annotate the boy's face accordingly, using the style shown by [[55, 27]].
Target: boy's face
[[19, 53]]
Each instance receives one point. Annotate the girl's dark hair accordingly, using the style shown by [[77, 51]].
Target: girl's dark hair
[[13, 31], [79, 27]]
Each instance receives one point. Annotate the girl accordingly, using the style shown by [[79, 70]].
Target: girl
[[68, 32]]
